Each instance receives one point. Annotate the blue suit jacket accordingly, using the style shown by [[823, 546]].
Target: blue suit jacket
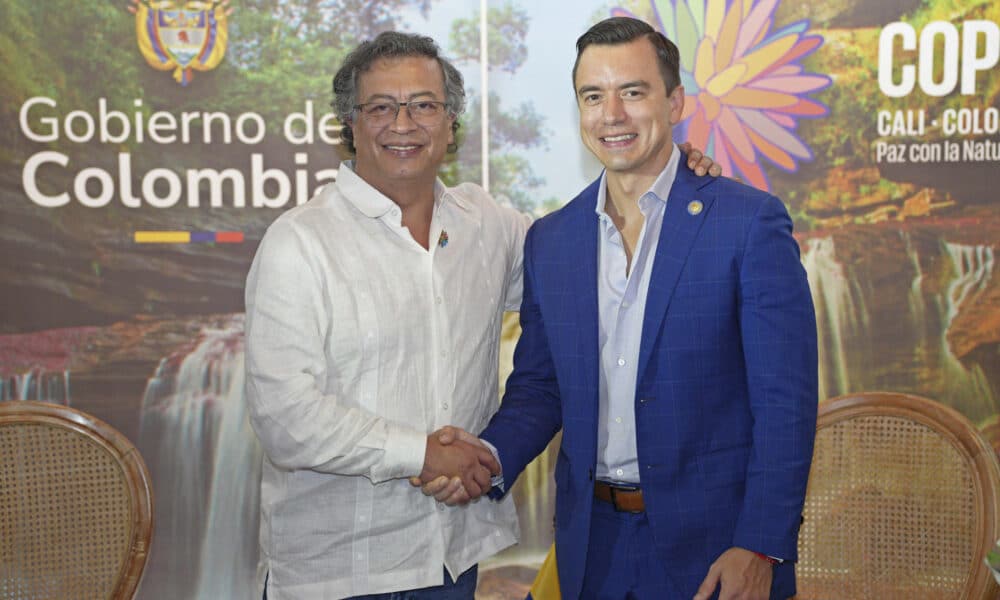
[[727, 379]]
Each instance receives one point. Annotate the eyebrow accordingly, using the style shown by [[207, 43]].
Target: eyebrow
[[375, 97], [639, 83]]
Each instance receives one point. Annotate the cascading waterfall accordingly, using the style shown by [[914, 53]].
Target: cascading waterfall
[[909, 351], [973, 268], [36, 384], [840, 315], [205, 463], [915, 297]]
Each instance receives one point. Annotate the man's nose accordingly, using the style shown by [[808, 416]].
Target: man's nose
[[403, 120], [614, 110]]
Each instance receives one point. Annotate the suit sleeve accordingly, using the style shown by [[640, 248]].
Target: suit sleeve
[[778, 327], [530, 413]]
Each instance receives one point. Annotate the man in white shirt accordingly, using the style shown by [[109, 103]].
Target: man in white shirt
[[373, 319]]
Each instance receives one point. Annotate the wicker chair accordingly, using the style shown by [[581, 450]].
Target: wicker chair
[[903, 502], [75, 506]]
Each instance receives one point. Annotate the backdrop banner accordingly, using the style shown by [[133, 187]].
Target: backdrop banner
[[145, 147]]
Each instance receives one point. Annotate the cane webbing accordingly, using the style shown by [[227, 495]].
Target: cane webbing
[[890, 513], [66, 521]]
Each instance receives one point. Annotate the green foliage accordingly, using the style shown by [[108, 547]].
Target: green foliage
[[511, 175], [280, 54], [66, 50], [844, 57], [507, 27], [803, 220], [284, 52], [511, 130], [850, 57], [890, 188]]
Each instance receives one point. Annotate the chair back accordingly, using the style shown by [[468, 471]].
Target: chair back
[[903, 502], [75, 506]]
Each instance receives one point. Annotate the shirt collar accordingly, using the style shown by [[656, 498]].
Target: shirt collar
[[660, 190], [373, 203]]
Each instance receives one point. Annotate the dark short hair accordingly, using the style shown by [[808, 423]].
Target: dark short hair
[[622, 30], [391, 44]]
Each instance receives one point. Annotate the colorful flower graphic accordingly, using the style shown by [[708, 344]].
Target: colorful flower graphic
[[745, 89]]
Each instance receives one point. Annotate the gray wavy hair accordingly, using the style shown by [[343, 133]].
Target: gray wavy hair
[[391, 44]]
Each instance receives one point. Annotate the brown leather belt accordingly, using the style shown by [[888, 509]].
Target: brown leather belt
[[624, 499]]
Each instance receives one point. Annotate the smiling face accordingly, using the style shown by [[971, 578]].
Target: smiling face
[[400, 153], [626, 114]]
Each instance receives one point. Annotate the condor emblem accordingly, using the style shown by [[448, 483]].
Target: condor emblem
[[181, 36]]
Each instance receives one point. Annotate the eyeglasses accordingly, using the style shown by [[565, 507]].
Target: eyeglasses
[[422, 112]]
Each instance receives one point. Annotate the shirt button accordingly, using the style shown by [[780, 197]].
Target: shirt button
[[444, 405], [444, 353], [621, 362], [618, 419], [440, 507], [359, 556], [362, 518], [625, 304], [371, 334], [438, 300], [619, 472]]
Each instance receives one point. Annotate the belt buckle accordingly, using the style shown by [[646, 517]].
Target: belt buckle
[[614, 489]]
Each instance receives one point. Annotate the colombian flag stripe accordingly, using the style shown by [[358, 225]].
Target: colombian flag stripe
[[162, 237], [188, 237], [202, 237], [229, 237]]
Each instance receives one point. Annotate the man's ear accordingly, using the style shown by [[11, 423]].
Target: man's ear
[[676, 104]]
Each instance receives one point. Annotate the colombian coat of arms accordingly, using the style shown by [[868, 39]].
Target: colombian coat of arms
[[181, 36]]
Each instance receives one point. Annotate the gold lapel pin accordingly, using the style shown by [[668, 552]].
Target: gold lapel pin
[[694, 207]]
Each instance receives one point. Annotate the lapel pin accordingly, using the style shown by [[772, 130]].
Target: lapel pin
[[694, 207], [443, 239]]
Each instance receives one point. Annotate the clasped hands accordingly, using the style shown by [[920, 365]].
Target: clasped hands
[[458, 467]]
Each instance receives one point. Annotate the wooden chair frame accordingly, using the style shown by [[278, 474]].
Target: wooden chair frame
[[963, 436], [126, 455]]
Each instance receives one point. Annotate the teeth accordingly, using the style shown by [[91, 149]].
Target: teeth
[[401, 148], [619, 138]]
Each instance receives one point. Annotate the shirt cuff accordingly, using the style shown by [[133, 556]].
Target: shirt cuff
[[405, 449], [497, 480]]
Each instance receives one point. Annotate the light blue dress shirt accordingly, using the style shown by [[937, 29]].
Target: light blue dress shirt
[[621, 295]]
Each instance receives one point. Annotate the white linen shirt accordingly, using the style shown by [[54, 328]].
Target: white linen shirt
[[360, 342]]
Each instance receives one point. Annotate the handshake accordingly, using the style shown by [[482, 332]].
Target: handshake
[[458, 467]]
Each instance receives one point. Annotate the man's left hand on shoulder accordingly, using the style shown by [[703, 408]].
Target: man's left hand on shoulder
[[698, 162], [743, 575]]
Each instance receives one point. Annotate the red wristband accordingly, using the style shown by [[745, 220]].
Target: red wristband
[[773, 561]]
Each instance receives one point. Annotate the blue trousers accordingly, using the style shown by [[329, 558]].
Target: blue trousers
[[622, 563]]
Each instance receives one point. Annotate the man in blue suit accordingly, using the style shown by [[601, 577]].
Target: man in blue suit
[[668, 330]]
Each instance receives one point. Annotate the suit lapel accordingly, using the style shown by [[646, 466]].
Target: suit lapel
[[682, 220], [583, 278]]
